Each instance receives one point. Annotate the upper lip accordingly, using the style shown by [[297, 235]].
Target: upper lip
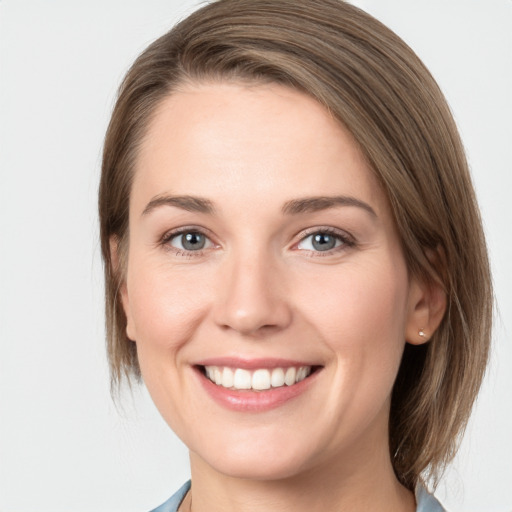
[[253, 363]]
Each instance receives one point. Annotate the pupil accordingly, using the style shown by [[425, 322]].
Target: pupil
[[193, 241], [323, 242]]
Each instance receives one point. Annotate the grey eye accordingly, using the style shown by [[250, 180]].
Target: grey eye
[[193, 241], [320, 242], [190, 241], [323, 242]]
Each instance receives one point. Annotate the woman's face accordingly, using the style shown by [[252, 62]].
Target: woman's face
[[262, 252]]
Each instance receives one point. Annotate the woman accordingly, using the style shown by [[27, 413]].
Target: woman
[[294, 258]]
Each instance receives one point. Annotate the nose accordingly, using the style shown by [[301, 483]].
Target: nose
[[251, 297]]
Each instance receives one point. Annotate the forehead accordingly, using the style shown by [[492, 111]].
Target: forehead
[[252, 142]]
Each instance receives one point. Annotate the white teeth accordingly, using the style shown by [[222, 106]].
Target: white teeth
[[289, 377], [242, 379], [277, 379], [260, 379], [227, 377], [301, 374]]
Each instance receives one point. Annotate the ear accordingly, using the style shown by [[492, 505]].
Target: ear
[[118, 262], [426, 308]]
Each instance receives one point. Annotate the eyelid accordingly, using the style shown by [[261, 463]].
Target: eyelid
[[346, 238], [175, 232]]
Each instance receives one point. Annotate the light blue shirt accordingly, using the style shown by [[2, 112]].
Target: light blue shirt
[[426, 501]]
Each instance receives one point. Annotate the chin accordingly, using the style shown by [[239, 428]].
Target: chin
[[258, 460], [256, 468]]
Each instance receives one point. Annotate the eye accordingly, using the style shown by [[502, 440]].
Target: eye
[[189, 241], [323, 241]]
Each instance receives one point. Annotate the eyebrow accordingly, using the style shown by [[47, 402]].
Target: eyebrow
[[188, 203], [293, 207], [319, 203]]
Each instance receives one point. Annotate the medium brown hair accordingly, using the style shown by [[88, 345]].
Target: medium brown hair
[[374, 84]]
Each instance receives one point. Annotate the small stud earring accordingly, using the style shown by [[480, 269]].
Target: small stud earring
[[421, 332]]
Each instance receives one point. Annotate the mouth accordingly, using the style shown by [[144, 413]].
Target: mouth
[[258, 379], [255, 385]]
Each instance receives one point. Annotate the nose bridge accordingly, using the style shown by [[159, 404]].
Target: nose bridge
[[251, 292]]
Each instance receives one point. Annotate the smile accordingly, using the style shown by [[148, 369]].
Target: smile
[[255, 385], [256, 380]]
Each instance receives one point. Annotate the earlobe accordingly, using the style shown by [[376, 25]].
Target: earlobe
[[427, 305], [117, 270]]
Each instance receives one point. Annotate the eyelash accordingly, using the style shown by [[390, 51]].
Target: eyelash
[[168, 236], [346, 240]]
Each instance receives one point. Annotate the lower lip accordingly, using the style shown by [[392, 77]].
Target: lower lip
[[254, 401]]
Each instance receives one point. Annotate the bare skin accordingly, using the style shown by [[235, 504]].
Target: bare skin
[[258, 234]]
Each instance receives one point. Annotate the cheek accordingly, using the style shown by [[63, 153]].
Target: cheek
[[360, 314], [166, 306], [369, 300], [360, 317]]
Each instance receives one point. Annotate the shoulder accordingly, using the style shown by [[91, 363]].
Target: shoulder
[[427, 502], [172, 504]]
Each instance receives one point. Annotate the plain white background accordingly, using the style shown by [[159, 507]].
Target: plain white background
[[63, 444]]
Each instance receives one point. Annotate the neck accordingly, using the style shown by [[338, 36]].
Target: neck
[[365, 483]]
